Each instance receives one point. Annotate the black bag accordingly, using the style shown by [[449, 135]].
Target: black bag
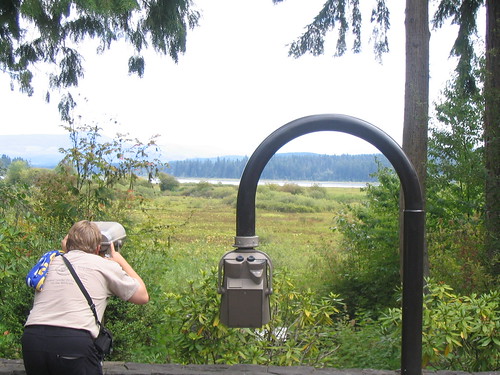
[[104, 342]]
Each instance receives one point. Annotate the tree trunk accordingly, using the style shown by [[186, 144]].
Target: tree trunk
[[416, 110], [492, 133]]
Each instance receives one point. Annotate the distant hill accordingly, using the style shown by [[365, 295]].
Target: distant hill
[[289, 166], [42, 151]]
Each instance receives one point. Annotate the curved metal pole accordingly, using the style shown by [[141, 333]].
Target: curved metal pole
[[414, 216]]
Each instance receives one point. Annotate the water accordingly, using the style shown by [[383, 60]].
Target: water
[[229, 181]]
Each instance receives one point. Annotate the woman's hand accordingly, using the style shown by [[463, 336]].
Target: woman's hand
[[112, 250]]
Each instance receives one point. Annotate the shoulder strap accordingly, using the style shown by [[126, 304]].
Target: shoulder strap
[[82, 288]]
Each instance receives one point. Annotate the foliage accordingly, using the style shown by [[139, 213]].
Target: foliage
[[362, 343], [303, 326], [99, 165], [168, 182], [135, 328], [292, 188], [334, 15], [456, 155], [459, 332], [34, 220], [287, 201], [463, 14], [18, 243], [174, 234], [367, 271], [39, 31], [456, 180], [54, 199], [192, 319], [201, 189], [298, 334], [367, 263], [6, 161], [16, 170], [14, 203], [4, 164]]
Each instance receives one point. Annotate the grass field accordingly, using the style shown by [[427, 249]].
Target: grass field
[[194, 227]]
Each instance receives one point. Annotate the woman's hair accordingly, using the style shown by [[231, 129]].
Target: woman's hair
[[85, 236]]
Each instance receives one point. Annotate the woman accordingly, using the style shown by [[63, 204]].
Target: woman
[[61, 328]]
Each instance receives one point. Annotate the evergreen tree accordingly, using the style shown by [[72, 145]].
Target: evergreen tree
[[292, 167], [33, 32]]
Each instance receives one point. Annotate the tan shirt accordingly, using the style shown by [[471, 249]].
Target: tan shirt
[[61, 302]]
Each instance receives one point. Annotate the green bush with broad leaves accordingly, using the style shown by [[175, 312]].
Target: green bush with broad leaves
[[459, 332], [300, 333]]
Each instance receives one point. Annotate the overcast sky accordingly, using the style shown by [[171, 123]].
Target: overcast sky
[[235, 84]]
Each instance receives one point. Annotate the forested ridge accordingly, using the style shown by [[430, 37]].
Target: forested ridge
[[291, 166]]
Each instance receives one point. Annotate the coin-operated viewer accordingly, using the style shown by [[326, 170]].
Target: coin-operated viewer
[[245, 285]]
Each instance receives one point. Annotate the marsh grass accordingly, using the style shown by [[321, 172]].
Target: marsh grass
[[192, 228]]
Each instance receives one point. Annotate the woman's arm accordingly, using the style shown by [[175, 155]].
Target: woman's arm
[[141, 296]]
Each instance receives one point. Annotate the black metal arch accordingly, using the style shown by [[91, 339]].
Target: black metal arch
[[414, 216]]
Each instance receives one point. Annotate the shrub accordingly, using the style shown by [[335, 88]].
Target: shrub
[[459, 332], [367, 269], [317, 192], [457, 257], [362, 344], [291, 188], [16, 242], [168, 182], [300, 333], [226, 192], [201, 189]]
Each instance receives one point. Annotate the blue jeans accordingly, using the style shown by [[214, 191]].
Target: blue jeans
[[49, 350]]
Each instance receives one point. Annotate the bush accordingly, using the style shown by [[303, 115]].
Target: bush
[[201, 189], [300, 333], [168, 182], [459, 332], [457, 257], [16, 258], [291, 188], [367, 269], [362, 344], [226, 192], [317, 192], [273, 199]]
